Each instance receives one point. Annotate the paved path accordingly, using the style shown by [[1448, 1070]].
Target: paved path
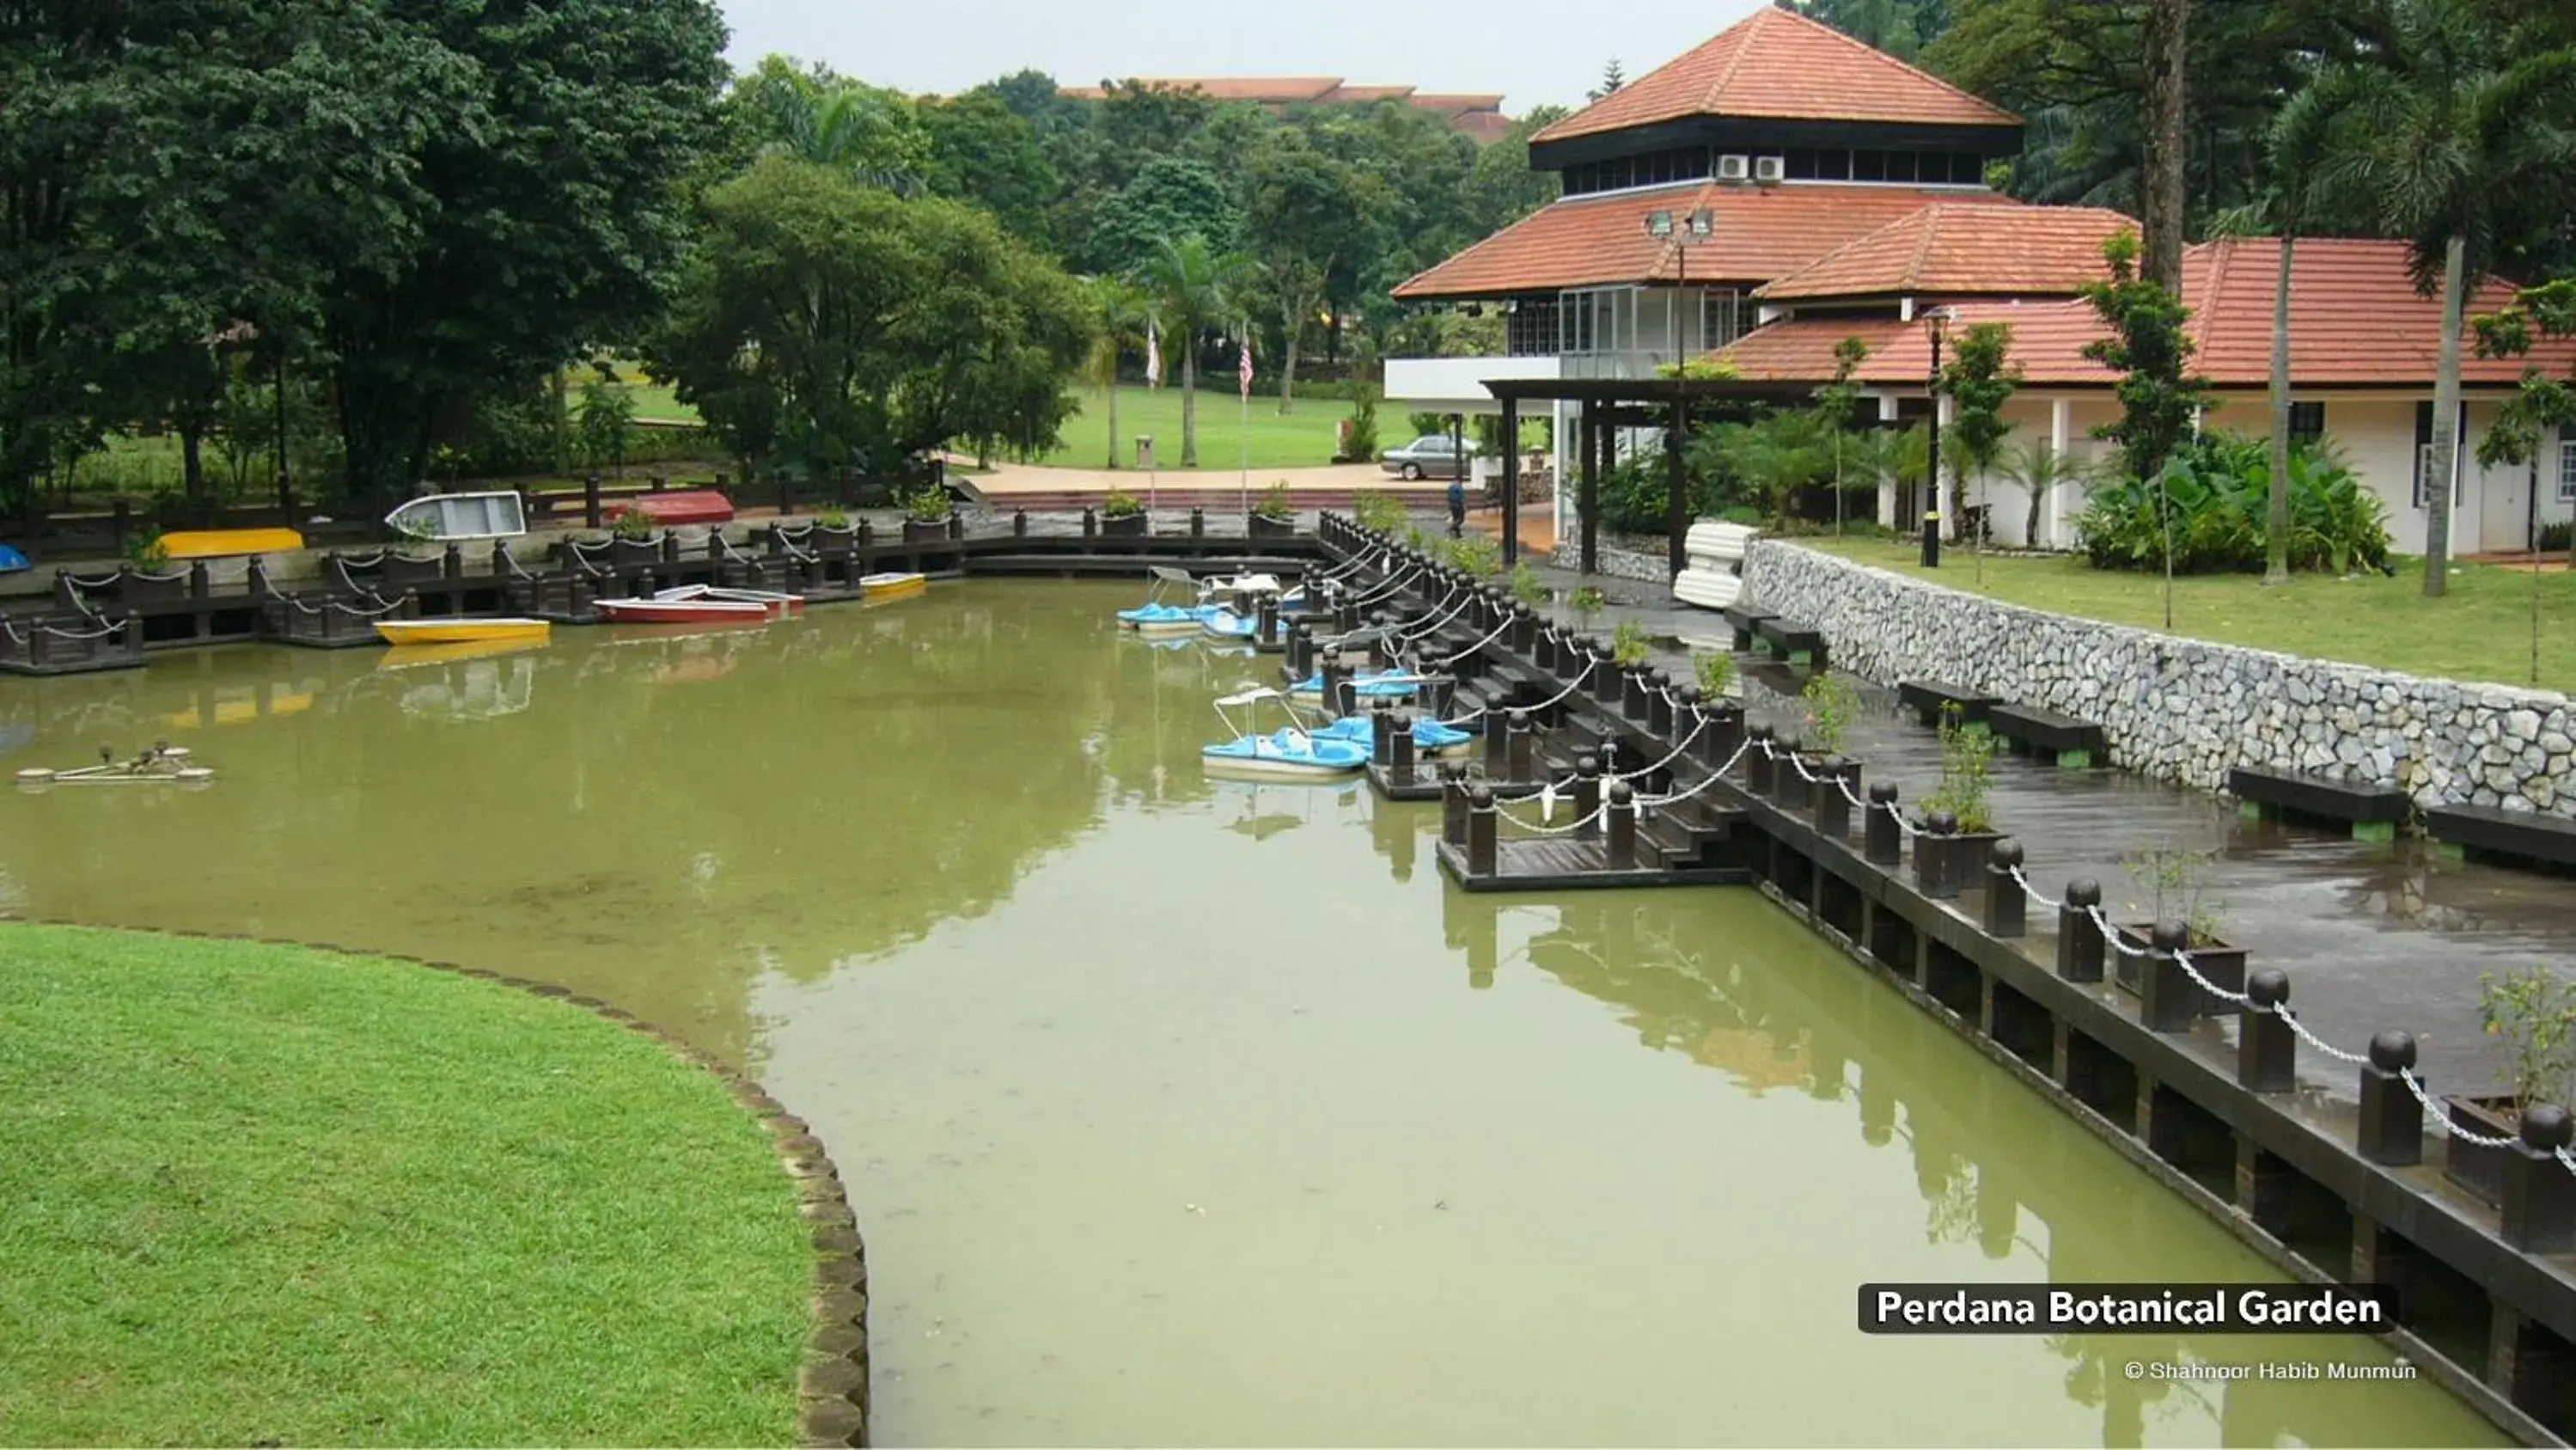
[[1010, 479]]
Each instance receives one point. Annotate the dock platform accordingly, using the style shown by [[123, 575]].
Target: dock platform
[[1567, 865]]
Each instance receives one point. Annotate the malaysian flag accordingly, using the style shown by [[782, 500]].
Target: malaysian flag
[[1243, 372], [1153, 355]]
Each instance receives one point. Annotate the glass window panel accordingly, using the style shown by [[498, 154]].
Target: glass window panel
[[1869, 166]]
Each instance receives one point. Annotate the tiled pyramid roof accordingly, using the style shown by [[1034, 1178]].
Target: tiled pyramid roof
[[1951, 250]]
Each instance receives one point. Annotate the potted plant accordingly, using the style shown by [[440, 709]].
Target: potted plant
[[1585, 603], [1957, 861], [1830, 705], [2533, 1012], [1528, 588], [1629, 645], [1716, 672], [2179, 879], [926, 516], [1122, 516], [1275, 516]]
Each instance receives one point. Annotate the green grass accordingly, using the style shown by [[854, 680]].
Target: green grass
[[255, 1194], [2480, 630], [1304, 438]]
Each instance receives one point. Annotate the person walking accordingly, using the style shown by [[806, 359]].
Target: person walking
[[1458, 504]]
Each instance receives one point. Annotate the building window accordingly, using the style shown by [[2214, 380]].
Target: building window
[[1530, 328], [2307, 422], [2567, 469]]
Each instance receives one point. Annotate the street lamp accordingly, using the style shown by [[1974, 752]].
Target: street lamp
[[1684, 233], [1939, 318]]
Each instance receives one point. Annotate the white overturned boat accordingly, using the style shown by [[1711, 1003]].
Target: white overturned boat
[[163, 763]]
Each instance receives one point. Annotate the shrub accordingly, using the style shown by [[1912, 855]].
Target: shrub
[[1478, 557], [1967, 773], [1361, 434], [2217, 495], [1528, 588], [1831, 703], [1716, 671], [1377, 511], [930, 506], [1118, 505], [631, 524], [1275, 504], [2557, 536], [1629, 644]]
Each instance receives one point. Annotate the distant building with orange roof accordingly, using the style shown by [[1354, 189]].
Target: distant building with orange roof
[[1475, 115]]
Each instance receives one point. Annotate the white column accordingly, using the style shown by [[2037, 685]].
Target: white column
[[1561, 508], [1886, 484], [2061, 430]]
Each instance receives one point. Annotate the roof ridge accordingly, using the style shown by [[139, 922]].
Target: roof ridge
[[1931, 216], [1751, 26], [1876, 55]]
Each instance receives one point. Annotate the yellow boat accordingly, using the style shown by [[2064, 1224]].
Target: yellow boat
[[877, 588], [230, 543], [463, 631]]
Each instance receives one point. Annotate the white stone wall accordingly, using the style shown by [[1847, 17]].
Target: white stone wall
[[2185, 710]]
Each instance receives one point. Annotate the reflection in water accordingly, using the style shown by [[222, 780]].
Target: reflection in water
[[1165, 1113]]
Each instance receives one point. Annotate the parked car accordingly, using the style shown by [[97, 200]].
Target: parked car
[[1432, 454]]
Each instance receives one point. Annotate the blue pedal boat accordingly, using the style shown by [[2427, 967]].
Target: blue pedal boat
[[1368, 685], [1286, 754]]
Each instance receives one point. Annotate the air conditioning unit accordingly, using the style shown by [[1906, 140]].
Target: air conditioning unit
[[1735, 168], [1770, 170]]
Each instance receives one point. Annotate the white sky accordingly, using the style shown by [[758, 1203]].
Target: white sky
[[1532, 51]]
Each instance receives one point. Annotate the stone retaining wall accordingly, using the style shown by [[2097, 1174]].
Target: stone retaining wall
[[1616, 563], [2185, 710]]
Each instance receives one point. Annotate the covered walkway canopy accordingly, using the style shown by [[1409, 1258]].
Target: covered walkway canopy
[[1605, 405]]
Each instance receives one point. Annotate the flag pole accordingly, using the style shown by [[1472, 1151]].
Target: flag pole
[[1245, 435]]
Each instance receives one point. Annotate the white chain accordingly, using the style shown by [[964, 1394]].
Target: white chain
[[1387, 587], [1449, 660], [101, 632], [1463, 594], [1548, 830], [1699, 727], [1706, 781], [2442, 1120]]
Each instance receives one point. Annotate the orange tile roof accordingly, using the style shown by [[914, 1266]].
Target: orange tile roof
[[1351, 95], [2356, 320], [1458, 101], [1762, 233], [1947, 250], [1775, 64]]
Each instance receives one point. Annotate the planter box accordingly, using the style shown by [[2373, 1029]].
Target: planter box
[[1132, 526], [916, 531], [1948, 865], [1255, 526], [2222, 964], [2479, 1169]]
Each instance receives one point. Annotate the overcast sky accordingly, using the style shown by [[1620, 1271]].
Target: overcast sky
[[1532, 51]]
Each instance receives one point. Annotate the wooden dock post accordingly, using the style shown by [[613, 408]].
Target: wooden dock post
[[1301, 649], [1932, 856], [1619, 848], [1524, 634], [2538, 1215], [1607, 677], [1759, 768], [1632, 692], [2007, 909], [1198, 523], [1496, 740], [1482, 850], [2392, 1119], [1659, 704], [1724, 736], [1453, 803], [1543, 640], [1882, 843], [1090, 524], [1520, 757], [2079, 937], [1788, 785], [1019, 523], [1265, 620], [590, 501], [1329, 666], [1397, 728], [1834, 797], [2168, 1000], [1587, 796], [2267, 1051]]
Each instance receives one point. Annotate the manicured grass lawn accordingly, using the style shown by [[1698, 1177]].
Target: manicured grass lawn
[[2480, 630], [1302, 439], [253, 1194]]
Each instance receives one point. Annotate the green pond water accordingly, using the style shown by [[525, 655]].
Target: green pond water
[[1180, 1112]]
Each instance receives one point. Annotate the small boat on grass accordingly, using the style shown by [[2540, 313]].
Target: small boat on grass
[[1368, 685], [780, 606], [1290, 753], [164, 762], [879, 588], [463, 631], [1430, 737], [697, 610]]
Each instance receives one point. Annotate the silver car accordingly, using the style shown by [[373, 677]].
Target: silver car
[[1429, 455]]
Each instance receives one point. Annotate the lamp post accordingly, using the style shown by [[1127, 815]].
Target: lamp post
[[1683, 233], [1939, 318]]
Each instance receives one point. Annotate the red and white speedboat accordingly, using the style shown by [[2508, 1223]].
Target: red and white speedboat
[[684, 611], [779, 606]]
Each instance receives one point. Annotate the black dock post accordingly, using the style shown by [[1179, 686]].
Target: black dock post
[[2392, 1119], [2079, 937], [2538, 1215], [1619, 850], [1482, 850], [2168, 999], [2007, 909], [1453, 803], [1521, 749], [2267, 1051], [1587, 796], [1397, 728]]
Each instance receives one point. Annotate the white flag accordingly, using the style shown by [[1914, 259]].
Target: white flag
[[1153, 356]]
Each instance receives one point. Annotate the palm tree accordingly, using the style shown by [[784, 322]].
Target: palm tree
[[1194, 286], [2037, 467], [2459, 139], [846, 126], [1123, 312]]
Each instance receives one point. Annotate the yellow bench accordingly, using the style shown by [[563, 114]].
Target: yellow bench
[[230, 543]]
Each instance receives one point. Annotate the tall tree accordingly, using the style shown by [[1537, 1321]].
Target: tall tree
[[1900, 27], [557, 218], [1978, 379], [2147, 346], [1196, 287], [2168, 49], [1166, 197], [1123, 313], [981, 151], [1302, 216], [1612, 78], [2461, 135], [855, 328], [814, 114]]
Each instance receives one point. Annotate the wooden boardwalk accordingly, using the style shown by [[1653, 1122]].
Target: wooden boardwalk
[[1564, 864]]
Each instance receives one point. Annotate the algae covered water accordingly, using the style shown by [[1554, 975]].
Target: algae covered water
[[1178, 1111]]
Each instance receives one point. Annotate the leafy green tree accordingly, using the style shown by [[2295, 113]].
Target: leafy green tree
[[1305, 220], [556, 218], [1612, 78], [2464, 141], [607, 423], [919, 324], [1835, 402], [1978, 379], [2038, 470], [1900, 27], [2148, 348], [1167, 197], [1777, 454], [1034, 97], [1123, 313], [815, 114], [983, 152], [1196, 287]]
